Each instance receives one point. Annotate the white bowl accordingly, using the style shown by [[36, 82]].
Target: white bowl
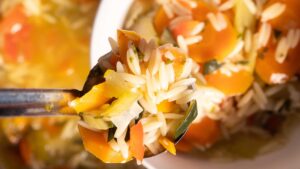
[[110, 17]]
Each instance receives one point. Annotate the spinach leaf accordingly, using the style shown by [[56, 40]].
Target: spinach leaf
[[190, 115], [211, 66], [167, 37], [111, 133]]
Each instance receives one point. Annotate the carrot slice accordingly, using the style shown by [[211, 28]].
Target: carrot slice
[[268, 68], [161, 21], [124, 38], [25, 151], [214, 45], [289, 19], [136, 143], [235, 84], [184, 28], [96, 143], [201, 11], [204, 132]]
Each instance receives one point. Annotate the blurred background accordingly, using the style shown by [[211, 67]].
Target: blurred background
[[45, 44]]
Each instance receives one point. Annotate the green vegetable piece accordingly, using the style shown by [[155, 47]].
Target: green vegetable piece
[[261, 53], [243, 62], [111, 133], [139, 118], [127, 136], [166, 37], [211, 66], [168, 61], [190, 115]]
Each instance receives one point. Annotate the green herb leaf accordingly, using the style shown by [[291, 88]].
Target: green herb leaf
[[127, 136], [166, 37], [111, 133], [168, 61], [190, 115], [81, 115], [139, 118], [261, 53], [211, 66], [242, 62]]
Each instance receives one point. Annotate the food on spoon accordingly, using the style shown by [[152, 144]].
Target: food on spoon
[[135, 112], [248, 54]]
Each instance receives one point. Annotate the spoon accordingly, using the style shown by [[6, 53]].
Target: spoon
[[48, 102], [53, 102]]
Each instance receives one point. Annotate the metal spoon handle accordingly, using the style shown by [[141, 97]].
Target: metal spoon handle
[[36, 102]]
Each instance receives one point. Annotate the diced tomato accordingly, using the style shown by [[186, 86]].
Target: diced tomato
[[15, 32], [96, 143], [204, 132], [136, 143], [235, 84]]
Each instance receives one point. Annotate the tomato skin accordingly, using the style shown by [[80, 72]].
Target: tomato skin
[[15, 33]]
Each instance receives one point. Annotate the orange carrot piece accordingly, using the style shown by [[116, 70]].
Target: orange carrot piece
[[204, 132], [96, 143], [136, 143], [25, 151], [124, 38], [266, 65], [184, 28], [235, 84], [161, 21]]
